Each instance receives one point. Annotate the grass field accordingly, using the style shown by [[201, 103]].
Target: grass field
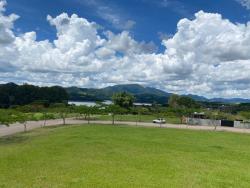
[[119, 156]]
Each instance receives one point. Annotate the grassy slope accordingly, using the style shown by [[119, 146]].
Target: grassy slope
[[106, 156]]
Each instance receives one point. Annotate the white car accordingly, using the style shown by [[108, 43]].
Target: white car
[[159, 120]]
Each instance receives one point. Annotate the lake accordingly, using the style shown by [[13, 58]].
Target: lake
[[108, 102], [87, 103]]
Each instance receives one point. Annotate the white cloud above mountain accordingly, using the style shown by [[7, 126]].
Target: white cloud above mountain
[[244, 3], [208, 55], [111, 14]]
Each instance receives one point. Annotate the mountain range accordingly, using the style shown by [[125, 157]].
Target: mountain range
[[141, 93]]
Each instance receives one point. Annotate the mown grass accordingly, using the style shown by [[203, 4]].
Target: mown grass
[[119, 156]]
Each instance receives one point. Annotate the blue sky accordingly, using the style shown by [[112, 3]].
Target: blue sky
[[153, 18], [181, 46]]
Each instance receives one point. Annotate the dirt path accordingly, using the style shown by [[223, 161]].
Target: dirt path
[[16, 128]]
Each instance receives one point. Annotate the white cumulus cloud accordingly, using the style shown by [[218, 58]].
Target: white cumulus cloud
[[244, 3], [208, 55]]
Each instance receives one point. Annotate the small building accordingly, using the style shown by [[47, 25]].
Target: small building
[[198, 115]]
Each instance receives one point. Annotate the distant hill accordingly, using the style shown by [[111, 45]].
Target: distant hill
[[231, 100], [13, 94], [197, 98], [142, 94]]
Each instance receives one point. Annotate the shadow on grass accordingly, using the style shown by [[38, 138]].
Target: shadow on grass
[[24, 136], [14, 139], [217, 147], [58, 126]]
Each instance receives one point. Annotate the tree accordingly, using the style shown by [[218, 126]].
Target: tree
[[12, 94], [213, 116], [45, 116], [63, 111], [21, 118], [182, 105], [86, 111], [176, 101], [82, 111], [173, 101], [245, 114], [114, 110], [6, 117], [140, 111], [187, 102], [92, 110], [11, 116], [123, 99]]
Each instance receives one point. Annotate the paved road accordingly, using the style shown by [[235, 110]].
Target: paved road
[[16, 128]]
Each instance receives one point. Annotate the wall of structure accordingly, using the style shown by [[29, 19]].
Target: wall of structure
[[240, 124], [203, 122], [210, 122]]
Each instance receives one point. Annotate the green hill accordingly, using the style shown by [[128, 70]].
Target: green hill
[[141, 93]]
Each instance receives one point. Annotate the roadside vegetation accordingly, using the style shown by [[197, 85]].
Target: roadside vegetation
[[31, 103], [122, 109]]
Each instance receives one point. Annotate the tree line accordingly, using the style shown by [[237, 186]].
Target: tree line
[[12, 95], [178, 107]]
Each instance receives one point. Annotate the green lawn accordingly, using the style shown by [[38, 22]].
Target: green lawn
[[119, 156]]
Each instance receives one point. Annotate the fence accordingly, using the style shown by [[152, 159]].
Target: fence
[[203, 122], [210, 122], [242, 125]]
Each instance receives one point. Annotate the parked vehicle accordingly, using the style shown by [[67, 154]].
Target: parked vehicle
[[159, 120]]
